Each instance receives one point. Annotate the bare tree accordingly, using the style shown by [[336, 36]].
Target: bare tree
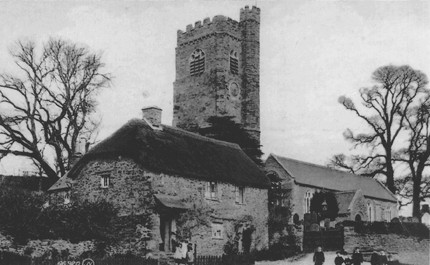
[[415, 187], [386, 105], [50, 104]]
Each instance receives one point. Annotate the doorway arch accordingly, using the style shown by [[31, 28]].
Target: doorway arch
[[357, 218]]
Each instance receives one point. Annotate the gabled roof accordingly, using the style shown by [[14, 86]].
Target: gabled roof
[[177, 152], [344, 199], [323, 177]]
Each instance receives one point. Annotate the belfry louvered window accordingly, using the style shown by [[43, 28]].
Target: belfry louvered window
[[197, 62], [234, 63]]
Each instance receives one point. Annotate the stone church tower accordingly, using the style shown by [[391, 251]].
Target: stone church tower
[[218, 72]]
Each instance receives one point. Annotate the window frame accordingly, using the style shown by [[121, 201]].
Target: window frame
[[308, 197], [234, 62], [66, 198], [217, 227], [239, 192], [197, 62], [212, 190], [105, 181]]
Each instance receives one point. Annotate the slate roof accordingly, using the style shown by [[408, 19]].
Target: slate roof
[[323, 177], [177, 152], [344, 199]]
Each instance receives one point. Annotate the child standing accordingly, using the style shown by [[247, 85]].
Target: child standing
[[357, 257], [178, 253], [319, 256], [190, 254], [339, 259]]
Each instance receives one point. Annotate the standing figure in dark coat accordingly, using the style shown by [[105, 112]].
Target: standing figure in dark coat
[[374, 259], [339, 259], [383, 260], [319, 256], [357, 257]]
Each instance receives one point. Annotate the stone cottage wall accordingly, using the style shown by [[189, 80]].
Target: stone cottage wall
[[226, 210], [129, 183]]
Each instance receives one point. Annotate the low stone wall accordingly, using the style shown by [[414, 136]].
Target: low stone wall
[[410, 250], [390, 242], [37, 248]]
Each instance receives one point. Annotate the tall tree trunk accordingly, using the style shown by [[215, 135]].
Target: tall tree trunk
[[416, 200], [390, 174]]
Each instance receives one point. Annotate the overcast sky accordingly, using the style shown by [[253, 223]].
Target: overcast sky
[[311, 53]]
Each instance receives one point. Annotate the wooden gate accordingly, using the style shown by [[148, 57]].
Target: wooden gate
[[328, 240]]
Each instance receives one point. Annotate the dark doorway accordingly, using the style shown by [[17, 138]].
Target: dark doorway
[[246, 240], [358, 218]]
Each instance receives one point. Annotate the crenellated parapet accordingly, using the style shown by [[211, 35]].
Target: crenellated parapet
[[250, 14], [219, 24], [218, 72]]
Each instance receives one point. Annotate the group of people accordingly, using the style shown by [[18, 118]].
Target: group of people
[[184, 253], [343, 258], [378, 258]]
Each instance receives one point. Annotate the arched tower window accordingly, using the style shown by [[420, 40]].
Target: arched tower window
[[234, 63], [197, 62], [308, 196]]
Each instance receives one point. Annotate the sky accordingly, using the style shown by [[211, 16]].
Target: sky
[[311, 53]]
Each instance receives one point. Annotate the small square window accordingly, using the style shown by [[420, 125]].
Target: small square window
[[217, 230], [104, 181]]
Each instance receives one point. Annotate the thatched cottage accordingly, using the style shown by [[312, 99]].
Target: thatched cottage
[[182, 170]]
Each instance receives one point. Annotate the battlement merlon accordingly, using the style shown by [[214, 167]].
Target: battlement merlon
[[217, 24], [250, 14]]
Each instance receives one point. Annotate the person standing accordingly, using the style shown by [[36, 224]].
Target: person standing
[[190, 254], [383, 258], [357, 257], [339, 259], [319, 256], [374, 259], [178, 253]]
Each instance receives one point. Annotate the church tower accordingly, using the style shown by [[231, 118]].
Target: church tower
[[218, 72]]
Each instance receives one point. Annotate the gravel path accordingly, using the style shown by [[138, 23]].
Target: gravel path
[[305, 259], [413, 258]]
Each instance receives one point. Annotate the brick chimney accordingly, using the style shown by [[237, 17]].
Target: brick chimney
[[152, 115]]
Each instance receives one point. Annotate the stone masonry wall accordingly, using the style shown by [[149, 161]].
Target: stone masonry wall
[[250, 24], [129, 182], [226, 211], [409, 250], [359, 207], [198, 97]]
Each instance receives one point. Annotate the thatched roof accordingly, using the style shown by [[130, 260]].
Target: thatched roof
[[177, 152], [323, 177]]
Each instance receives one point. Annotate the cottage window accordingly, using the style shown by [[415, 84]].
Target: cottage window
[[217, 230], [104, 181], [197, 62], [239, 192], [234, 63], [307, 202], [211, 190], [67, 197]]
